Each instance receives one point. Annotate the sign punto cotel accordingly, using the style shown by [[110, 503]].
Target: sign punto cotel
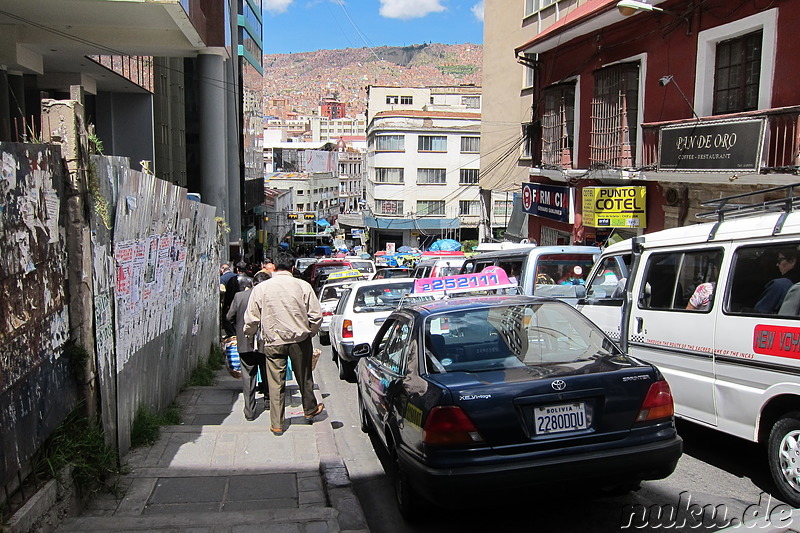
[[714, 146]]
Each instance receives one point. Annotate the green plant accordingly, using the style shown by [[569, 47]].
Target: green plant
[[203, 375], [82, 445], [469, 244], [147, 424], [95, 144], [77, 356]]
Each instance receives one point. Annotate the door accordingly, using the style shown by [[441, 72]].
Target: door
[[672, 323], [386, 368]]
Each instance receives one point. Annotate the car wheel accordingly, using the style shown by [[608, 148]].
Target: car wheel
[[406, 497], [363, 415], [324, 339], [784, 457], [334, 354], [347, 370]]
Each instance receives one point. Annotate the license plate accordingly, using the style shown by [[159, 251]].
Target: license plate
[[559, 418]]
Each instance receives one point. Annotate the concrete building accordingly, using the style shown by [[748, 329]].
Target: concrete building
[[423, 160], [324, 129], [352, 176], [672, 101]]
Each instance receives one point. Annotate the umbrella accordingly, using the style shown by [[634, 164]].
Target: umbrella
[[445, 245], [323, 222], [405, 249], [379, 253]]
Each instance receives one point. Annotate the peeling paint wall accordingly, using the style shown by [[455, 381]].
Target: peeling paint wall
[[164, 288], [37, 389]]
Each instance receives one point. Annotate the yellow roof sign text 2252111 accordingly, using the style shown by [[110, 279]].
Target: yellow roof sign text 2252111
[[615, 207]]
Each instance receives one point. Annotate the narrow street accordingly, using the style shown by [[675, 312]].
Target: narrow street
[[720, 479]]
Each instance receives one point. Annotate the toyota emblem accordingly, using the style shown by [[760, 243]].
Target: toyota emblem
[[559, 384]]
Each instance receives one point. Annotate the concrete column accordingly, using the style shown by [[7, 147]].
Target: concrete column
[[213, 134], [234, 129]]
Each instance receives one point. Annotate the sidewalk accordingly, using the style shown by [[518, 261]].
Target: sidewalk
[[219, 473]]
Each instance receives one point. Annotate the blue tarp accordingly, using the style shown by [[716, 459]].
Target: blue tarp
[[322, 222], [445, 245]]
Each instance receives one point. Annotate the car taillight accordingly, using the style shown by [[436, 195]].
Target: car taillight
[[449, 426], [347, 329], [657, 404], [327, 313]]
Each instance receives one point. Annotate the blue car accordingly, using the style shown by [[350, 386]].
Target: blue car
[[497, 393]]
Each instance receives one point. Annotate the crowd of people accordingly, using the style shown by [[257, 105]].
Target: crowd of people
[[273, 317]]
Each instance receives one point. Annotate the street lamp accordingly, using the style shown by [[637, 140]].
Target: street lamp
[[630, 7], [669, 78]]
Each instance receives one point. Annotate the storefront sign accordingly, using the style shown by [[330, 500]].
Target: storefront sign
[[615, 207], [357, 232], [292, 216], [546, 201], [718, 146]]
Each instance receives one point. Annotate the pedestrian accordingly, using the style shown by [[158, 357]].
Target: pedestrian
[[267, 268], [252, 362], [288, 314]]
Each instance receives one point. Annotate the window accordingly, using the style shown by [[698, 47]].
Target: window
[[432, 143], [671, 280], [737, 74], [615, 115], [528, 138], [390, 143], [471, 102], [608, 286], [431, 176], [389, 175], [430, 207], [468, 176], [558, 125], [763, 280], [393, 346], [391, 100], [470, 144], [532, 6], [469, 208], [406, 100], [389, 207], [502, 208], [530, 72]]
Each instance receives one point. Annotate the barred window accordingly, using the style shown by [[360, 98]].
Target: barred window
[[468, 176], [469, 208], [471, 144], [432, 143], [431, 176], [406, 100], [737, 74], [389, 175], [430, 207], [502, 208], [558, 125], [389, 207], [390, 143], [615, 116]]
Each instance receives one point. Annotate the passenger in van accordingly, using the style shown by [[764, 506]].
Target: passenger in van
[[774, 291], [702, 296], [573, 277]]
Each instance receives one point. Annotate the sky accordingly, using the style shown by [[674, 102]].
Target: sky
[[308, 25]]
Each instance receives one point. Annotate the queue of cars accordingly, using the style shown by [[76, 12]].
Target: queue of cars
[[495, 392]]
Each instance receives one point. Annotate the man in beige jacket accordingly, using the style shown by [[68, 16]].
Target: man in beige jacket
[[288, 313]]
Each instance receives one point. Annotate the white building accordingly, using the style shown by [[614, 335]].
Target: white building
[[423, 160], [324, 129], [352, 176]]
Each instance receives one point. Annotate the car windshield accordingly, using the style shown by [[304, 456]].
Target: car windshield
[[363, 266], [332, 293], [503, 337], [374, 298], [322, 270]]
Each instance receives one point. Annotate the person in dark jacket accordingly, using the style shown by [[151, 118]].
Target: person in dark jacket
[[251, 360], [774, 291]]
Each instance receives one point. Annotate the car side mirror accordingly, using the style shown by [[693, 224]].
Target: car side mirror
[[580, 291], [362, 350]]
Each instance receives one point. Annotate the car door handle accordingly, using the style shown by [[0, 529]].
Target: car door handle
[[379, 321], [639, 324]]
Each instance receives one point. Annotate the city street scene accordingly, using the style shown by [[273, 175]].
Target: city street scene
[[399, 266]]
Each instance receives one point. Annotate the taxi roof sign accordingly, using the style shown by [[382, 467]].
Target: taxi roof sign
[[350, 273], [490, 278]]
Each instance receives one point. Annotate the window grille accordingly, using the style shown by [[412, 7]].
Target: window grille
[[558, 125], [615, 116]]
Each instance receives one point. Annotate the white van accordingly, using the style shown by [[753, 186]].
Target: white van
[[715, 307], [554, 271]]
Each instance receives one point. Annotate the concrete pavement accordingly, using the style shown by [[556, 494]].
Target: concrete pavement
[[217, 472]]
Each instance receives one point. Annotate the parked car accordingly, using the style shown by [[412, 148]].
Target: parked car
[[329, 296], [478, 395], [301, 264], [358, 316], [367, 266], [315, 272], [393, 272]]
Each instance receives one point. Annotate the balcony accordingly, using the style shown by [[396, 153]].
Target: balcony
[[781, 153]]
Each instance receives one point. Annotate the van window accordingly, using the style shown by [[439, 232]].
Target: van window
[[671, 280], [563, 269], [609, 282], [765, 280], [512, 267], [471, 267]]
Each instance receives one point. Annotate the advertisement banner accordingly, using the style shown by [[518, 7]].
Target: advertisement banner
[[547, 201], [615, 207]]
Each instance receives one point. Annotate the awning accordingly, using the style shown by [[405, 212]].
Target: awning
[[412, 224], [322, 222]]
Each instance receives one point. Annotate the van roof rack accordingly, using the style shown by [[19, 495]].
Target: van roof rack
[[726, 208]]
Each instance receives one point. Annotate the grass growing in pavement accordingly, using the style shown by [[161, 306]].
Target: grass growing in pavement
[[82, 445], [203, 375], [147, 424]]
